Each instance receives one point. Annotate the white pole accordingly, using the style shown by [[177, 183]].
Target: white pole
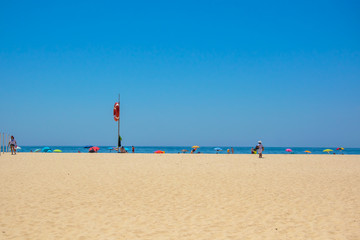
[[7, 145], [8, 142], [119, 127]]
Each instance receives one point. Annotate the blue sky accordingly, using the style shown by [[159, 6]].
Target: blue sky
[[189, 72]]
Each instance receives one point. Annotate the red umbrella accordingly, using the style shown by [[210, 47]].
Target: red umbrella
[[94, 149], [159, 151], [288, 150]]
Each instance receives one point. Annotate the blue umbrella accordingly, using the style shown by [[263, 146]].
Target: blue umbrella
[[217, 149], [37, 150], [127, 149], [46, 149], [88, 146]]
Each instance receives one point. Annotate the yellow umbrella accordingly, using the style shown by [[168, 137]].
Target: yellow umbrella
[[328, 150], [57, 150], [307, 151], [195, 147]]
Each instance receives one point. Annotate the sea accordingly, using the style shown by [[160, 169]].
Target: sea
[[202, 149]]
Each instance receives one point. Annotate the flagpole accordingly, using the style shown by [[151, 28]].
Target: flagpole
[[119, 127]]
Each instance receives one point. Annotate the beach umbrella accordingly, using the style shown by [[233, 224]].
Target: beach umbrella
[[18, 148], [57, 151], [37, 150], [88, 146], [340, 149], [196, 147], [288, 150], [127, 149], [328, 150], [217, 149], [159, 151], [307, 151], [46, 149], [93, 149], [184, 150]]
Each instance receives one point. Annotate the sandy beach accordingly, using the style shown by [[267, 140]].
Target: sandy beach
[[179, 196]]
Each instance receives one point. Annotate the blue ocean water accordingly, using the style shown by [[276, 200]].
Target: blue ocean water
[[207, 150]]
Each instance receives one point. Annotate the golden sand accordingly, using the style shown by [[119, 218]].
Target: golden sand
[[179, 196]]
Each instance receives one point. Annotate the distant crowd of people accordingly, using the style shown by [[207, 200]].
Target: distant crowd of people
[[258, 149]]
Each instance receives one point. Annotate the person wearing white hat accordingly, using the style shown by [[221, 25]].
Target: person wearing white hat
[[260, 148]]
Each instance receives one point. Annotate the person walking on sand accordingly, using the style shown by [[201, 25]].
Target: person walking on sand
[[12, 144], [260, 148]]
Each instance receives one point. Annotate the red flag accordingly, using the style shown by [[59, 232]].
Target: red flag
[[116, 111]]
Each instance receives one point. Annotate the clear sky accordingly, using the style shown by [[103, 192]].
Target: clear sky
[[189, 72]]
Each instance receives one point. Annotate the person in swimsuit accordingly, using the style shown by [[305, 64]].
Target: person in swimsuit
[[12, 144], [123, 150]]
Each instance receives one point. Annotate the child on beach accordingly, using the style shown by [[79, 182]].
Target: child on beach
[[253, 151], [12, 144]]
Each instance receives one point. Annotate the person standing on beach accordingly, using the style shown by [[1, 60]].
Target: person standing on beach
[[232, 150], [133, 149], [12, 144], [260, 148]]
